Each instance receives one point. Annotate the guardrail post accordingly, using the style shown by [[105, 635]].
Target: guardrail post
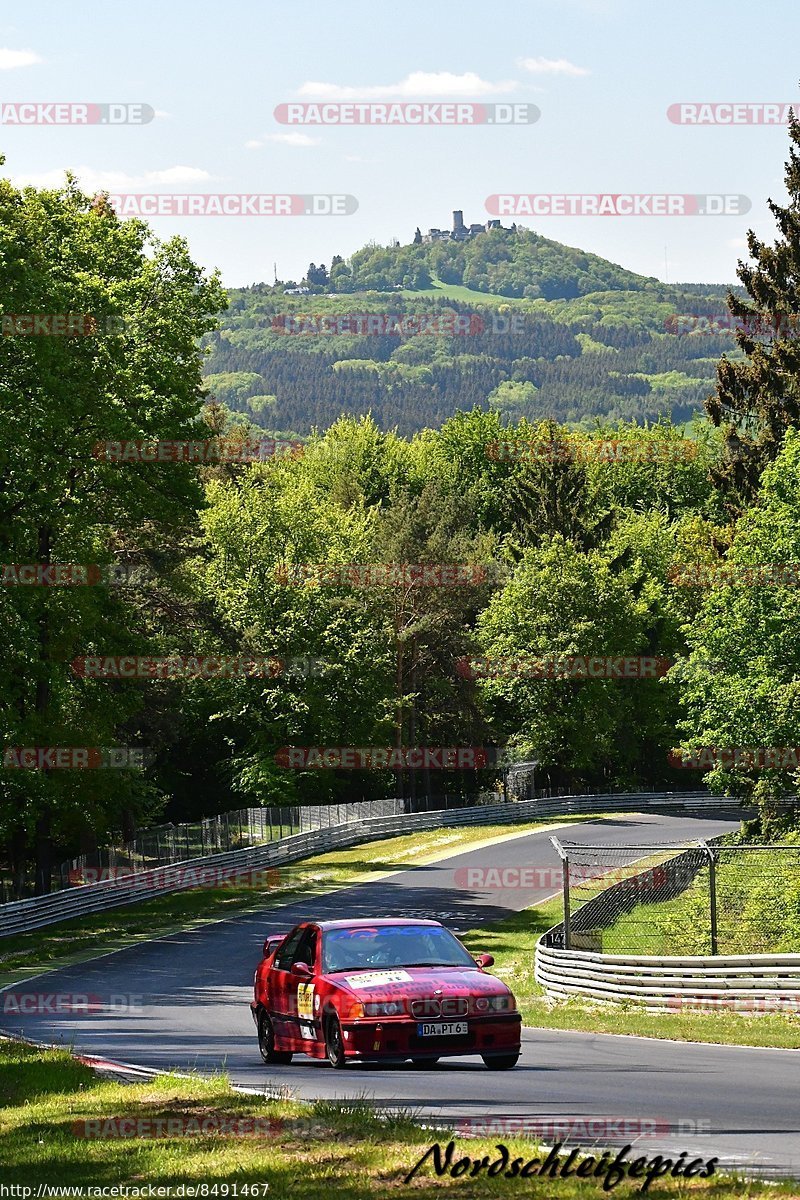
[[712, 894], [562, 854]]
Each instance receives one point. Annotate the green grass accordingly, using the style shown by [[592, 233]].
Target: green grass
[[84, 938], [302, 1152], [456, 291]]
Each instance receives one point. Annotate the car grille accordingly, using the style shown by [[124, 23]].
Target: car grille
[[448, 1006]]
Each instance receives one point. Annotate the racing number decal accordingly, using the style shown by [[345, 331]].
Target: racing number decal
[[305, 1001]]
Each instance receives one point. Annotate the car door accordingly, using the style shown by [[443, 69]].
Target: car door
[[280, 992], [306, 1004]]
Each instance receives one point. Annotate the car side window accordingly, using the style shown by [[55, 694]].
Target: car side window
[[306, 951], [285, 956]]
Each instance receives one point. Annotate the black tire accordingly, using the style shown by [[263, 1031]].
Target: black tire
[[266, 1042], [334, 1043], [500, 1062], [423, 1064]]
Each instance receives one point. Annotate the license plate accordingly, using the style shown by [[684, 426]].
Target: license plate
[[441, 1028]]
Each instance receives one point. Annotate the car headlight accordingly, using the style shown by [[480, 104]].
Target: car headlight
[[384, 1008], [502, 1002]]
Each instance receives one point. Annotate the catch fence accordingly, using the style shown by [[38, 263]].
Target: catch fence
[[692, 898]]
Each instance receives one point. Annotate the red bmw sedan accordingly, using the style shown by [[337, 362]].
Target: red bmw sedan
[[389, 989]]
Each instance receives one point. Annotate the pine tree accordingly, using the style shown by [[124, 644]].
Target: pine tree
[[758, 398], [418, 237]]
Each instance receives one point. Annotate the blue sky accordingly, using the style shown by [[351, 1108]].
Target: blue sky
[[603, 73]]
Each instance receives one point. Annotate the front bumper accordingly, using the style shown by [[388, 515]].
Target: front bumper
[[398, 1037]]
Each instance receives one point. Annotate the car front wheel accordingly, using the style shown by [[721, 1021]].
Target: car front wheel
[[500, 1062], [334, 1043], [266, 1042]]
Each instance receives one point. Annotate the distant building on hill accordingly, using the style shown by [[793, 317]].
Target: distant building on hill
[[461, 232]]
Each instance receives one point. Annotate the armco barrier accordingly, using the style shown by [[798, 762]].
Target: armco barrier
[[19, 916], [748, 982], [745, 982]]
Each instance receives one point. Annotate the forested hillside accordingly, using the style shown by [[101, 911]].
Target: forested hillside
[[546, 332]]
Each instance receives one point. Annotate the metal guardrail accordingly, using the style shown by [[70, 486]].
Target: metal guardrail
[[20, 916]]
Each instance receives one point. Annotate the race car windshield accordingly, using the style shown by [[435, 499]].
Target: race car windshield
[[392, 946]]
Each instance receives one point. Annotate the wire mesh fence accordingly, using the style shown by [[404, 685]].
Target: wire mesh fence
[[683, 899], [168, 845]]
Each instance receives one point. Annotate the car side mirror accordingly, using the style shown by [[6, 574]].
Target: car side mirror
[[484, 960], [302, 969]]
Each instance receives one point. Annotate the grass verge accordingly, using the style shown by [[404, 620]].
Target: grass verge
[[46, 1099]]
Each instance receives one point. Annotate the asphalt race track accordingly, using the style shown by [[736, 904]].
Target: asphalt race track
[[189, 995]]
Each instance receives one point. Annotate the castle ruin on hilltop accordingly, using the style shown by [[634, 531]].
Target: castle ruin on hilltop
[[461, 232]]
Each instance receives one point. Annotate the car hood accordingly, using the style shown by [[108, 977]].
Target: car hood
[[390, 982]]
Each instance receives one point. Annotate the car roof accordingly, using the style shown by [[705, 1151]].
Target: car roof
[[377, 922]]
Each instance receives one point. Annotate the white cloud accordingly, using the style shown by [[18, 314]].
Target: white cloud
[[551, 66], [417, 84], [9, 59], [285, 139], [91, 180], [738, 243]]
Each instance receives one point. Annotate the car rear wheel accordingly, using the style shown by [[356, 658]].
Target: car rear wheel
[[500, 1062], [334, 1043], [423, 1063], [266, 1042]]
